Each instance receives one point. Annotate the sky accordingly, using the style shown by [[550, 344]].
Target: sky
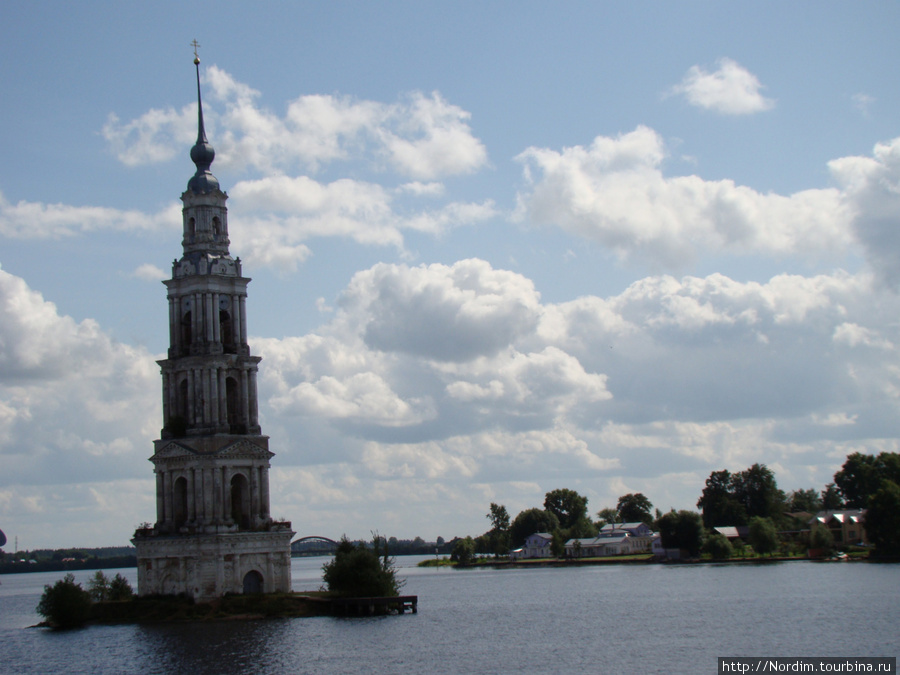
[[496, 249]]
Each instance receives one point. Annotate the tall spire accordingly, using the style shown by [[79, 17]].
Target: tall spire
[[202, 154]]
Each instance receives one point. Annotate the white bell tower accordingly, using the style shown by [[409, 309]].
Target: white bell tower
[[213, 532]]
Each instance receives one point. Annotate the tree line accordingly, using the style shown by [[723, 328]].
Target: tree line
[[746, 498]]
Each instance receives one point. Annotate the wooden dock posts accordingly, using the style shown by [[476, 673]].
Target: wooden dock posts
[[374, 606]]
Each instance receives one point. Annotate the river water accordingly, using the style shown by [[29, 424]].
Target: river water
[[605, 619]]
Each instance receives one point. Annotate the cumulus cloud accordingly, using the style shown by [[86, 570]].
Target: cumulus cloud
[[279, 213], [730, 90], [656, 386], [75, 408], [871, 192], [615, 193], [422, 137]]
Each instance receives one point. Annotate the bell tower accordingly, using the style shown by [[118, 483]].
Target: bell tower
[[213, 532]]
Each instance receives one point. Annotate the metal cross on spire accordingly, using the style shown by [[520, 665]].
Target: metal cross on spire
[[195, 45]]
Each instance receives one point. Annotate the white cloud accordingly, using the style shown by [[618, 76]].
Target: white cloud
[[422, 137], [871, 192], [615, 193], [77, 414], [730, 90], [149, 272], [863, 103], [36, 220], [279, 213]]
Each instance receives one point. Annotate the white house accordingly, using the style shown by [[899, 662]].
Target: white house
[[536, 545], [640, 533], [599, 547]]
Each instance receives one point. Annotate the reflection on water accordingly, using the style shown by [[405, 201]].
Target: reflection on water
[[588, 619]]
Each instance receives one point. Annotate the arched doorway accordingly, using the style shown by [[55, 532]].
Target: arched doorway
[[253, 582]]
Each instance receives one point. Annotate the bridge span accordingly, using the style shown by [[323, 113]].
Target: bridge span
[[313, 545]]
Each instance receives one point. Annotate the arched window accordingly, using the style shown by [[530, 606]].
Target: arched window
[[179, 502], [192, 227], [240, 501], [226, 334], [216, 226]]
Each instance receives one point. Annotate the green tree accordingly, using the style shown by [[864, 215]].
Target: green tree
[[718, 547], [608, 516], [756, 490], [362, 571], [763, 536], [718, 503], [558, 543], [682, 530], [831, 498], [861, 476], [882, 520], [98, 587], [529, 522], [568, 506], [65, 604], [463, 552], [120, 589], [499, 533], [635, 508], [821, 539], [807, 501]]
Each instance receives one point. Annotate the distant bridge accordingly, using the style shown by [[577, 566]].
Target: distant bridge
[[313, 545]]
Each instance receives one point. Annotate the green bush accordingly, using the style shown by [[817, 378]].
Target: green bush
[[463, 551], [65, 604], [357, 571], [763, 536], [718, 547]]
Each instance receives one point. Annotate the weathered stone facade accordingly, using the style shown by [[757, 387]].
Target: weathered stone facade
[[213, 532]]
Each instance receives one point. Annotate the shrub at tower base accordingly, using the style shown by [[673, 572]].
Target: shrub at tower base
[[358, 571]]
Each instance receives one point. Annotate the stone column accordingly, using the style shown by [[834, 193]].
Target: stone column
[[223, 396], [236, 321], [196, 317], [216, 326], [264, 492], [208, 501], [245, 397], [207, 402], [252, 400], [191, 406], [243, 320], [217, 496], [254, 495], [226, 489], [166, 393], [167, 498], [210, 337], [191, 515], [174, 325], [214, 395], [160, 499]]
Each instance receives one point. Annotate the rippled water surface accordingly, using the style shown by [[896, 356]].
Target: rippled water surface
[[611, 619]]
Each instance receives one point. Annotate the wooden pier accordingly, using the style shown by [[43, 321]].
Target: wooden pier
[[374, 606]]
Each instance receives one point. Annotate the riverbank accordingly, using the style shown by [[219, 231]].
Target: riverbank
[[646, 559]]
